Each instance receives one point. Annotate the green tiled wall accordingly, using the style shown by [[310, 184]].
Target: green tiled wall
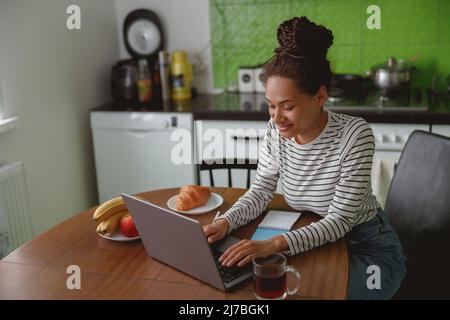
[[244, 33]]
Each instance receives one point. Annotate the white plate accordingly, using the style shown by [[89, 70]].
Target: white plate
[[117, 236], [214, 202]]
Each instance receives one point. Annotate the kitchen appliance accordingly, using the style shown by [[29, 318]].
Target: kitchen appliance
[[175, 240], [367, 96], [259, 83], [123, 81], [143, 34], [391, 76], [390, 139], [246, 80], [247, 101], [144, 39], [134, 151], [347, 80], [345, 84]]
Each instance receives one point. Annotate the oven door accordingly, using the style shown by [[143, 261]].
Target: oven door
[[390, 139], [383, 168]]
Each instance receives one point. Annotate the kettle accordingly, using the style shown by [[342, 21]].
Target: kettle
[[123, 81]]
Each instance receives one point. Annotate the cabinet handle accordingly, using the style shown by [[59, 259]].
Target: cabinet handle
[[162, 126], [237, 137]]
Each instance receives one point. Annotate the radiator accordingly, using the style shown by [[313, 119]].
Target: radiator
[[16, 220]]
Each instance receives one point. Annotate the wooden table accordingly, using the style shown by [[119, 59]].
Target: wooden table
[[123, 270]]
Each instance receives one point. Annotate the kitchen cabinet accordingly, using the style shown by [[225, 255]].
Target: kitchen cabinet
[[221, 139], [442, 129]]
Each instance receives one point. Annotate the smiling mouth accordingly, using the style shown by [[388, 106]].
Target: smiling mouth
[[284, 128]]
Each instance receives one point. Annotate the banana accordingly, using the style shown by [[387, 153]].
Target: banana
[[108, 209], [111, 224], [101, 228]]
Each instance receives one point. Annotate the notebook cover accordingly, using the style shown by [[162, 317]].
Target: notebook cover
[[264, 234]]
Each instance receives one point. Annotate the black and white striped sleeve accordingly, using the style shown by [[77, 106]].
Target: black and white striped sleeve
[[350, 191], [261, 192]]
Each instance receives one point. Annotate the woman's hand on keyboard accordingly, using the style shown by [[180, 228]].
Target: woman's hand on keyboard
[[245, 250], [216, 230]]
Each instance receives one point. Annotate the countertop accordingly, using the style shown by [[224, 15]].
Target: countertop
[[252, 107]]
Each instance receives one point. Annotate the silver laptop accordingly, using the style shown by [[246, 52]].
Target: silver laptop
[[179, 241]]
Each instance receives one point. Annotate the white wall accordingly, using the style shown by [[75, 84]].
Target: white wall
[[186, 26], [50, 77]]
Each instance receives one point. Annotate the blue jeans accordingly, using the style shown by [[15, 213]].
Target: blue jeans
[[376, 260]]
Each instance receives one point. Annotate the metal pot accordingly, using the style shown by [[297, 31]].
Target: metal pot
[[392, 74]]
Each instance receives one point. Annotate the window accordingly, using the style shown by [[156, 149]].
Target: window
[[5, 122], [2, 111]]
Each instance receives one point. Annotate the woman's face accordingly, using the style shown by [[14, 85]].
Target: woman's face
[[294, 112]]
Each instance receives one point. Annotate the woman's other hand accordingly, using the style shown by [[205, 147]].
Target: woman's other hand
[[245, 250], [216, 230]]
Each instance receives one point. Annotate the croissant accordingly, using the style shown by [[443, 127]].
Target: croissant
[[192, 196]]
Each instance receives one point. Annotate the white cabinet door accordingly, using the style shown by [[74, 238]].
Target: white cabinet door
[[219, 139], [442, 129], [228, 139]]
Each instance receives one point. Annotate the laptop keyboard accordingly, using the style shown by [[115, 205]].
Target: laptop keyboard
[[230, 273]]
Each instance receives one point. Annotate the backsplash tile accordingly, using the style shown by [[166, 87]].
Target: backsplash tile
[[254, 25], [444, 23], [404, 22], [244, 33], [343, 58], [344, 18], [306, 8], [443, 60]]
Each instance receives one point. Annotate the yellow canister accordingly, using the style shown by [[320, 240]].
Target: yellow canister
[[180, 76]]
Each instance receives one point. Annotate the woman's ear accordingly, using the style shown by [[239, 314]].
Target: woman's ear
[[322, 95]]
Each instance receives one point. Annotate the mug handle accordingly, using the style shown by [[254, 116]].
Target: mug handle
[[297, 275]]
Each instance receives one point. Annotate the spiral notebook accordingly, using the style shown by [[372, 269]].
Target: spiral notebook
[[275, 223]]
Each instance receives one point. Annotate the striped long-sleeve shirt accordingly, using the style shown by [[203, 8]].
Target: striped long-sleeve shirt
[[329, 176]]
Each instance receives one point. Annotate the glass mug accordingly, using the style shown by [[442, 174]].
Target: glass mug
[[270, 278]]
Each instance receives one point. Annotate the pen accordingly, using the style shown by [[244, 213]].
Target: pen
[[217, 214]]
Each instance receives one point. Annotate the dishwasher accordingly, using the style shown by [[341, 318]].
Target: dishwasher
[[133, 151]]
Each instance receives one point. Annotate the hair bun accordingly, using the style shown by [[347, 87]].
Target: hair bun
[[300, 36]]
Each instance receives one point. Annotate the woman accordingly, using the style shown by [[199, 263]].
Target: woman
[[323, 161]]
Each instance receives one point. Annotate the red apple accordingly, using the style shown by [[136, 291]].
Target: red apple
[[127, 227]]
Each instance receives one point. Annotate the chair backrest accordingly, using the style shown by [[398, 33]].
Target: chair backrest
[[227, 164], [418, 208]]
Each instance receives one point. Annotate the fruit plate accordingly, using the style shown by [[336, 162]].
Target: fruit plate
[[214, 202], [117, 236]]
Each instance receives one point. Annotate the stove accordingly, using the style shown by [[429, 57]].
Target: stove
[[368, 97]]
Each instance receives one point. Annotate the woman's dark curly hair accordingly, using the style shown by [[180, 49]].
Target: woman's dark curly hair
[[302, 55]]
